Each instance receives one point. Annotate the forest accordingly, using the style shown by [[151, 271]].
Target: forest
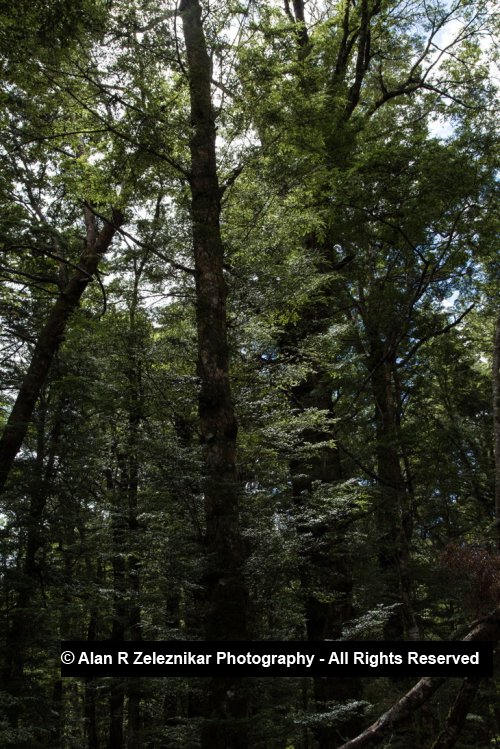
[[249, 362]]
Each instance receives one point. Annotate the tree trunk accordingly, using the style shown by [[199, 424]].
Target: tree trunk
[[52, 333], [20, 627], [90, 715], [393, 516], [119, 527], [135, 416], [455, 720], [91, 732], [325, 566], [325, 570], [226, 593], [496, 424]]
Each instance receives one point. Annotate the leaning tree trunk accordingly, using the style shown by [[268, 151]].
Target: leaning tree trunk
[[52, 334], [226, 595]]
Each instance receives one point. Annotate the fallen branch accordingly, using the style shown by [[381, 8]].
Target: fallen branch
[[487, 629]]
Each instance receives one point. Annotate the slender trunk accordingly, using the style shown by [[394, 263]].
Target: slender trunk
[[58, 705], [496, 424], [135, 415], [50, 338], [226, 612], [455, 719], [91, 732], [69, 623], [325, 569], [120, 607], [126, 543], [393, 516], [116, 703], [90, 715], [90, 703], [20, 628]]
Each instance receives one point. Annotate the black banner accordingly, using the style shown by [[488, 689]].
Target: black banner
[[181, 658]]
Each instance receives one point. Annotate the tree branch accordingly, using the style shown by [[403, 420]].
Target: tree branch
[[487, 628], [435, 334]]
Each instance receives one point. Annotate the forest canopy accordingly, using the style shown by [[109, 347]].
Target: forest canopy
[[250, 361]]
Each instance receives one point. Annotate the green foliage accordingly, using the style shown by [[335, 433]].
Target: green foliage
[[359, 256]]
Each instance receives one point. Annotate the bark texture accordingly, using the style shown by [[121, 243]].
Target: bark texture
[[226, 595], [325, 565], [496, 424], [20, 628]]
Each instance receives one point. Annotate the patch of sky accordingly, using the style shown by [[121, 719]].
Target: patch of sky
[[449, 302]]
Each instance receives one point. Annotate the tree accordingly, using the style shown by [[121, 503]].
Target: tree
[[225, 616], [279, 380], [97, 242], [496, 415]]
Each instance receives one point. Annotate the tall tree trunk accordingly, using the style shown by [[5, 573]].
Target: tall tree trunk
[[325, 570], [393, 517], [226, 612], [20, 627], [119, 528], [496, 424], [51, 335], [325, 566], [126, 544], [91, 732], [135, 416]]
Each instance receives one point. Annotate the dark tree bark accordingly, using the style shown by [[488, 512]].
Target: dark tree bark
[[298, 19], [226, 594], [49, 340], [135, 417], [325, 567], [91, 732], [20, 626], [455, 719], [90, 715], [119, 528], [393, 511], [496, 424], [125, 566]]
